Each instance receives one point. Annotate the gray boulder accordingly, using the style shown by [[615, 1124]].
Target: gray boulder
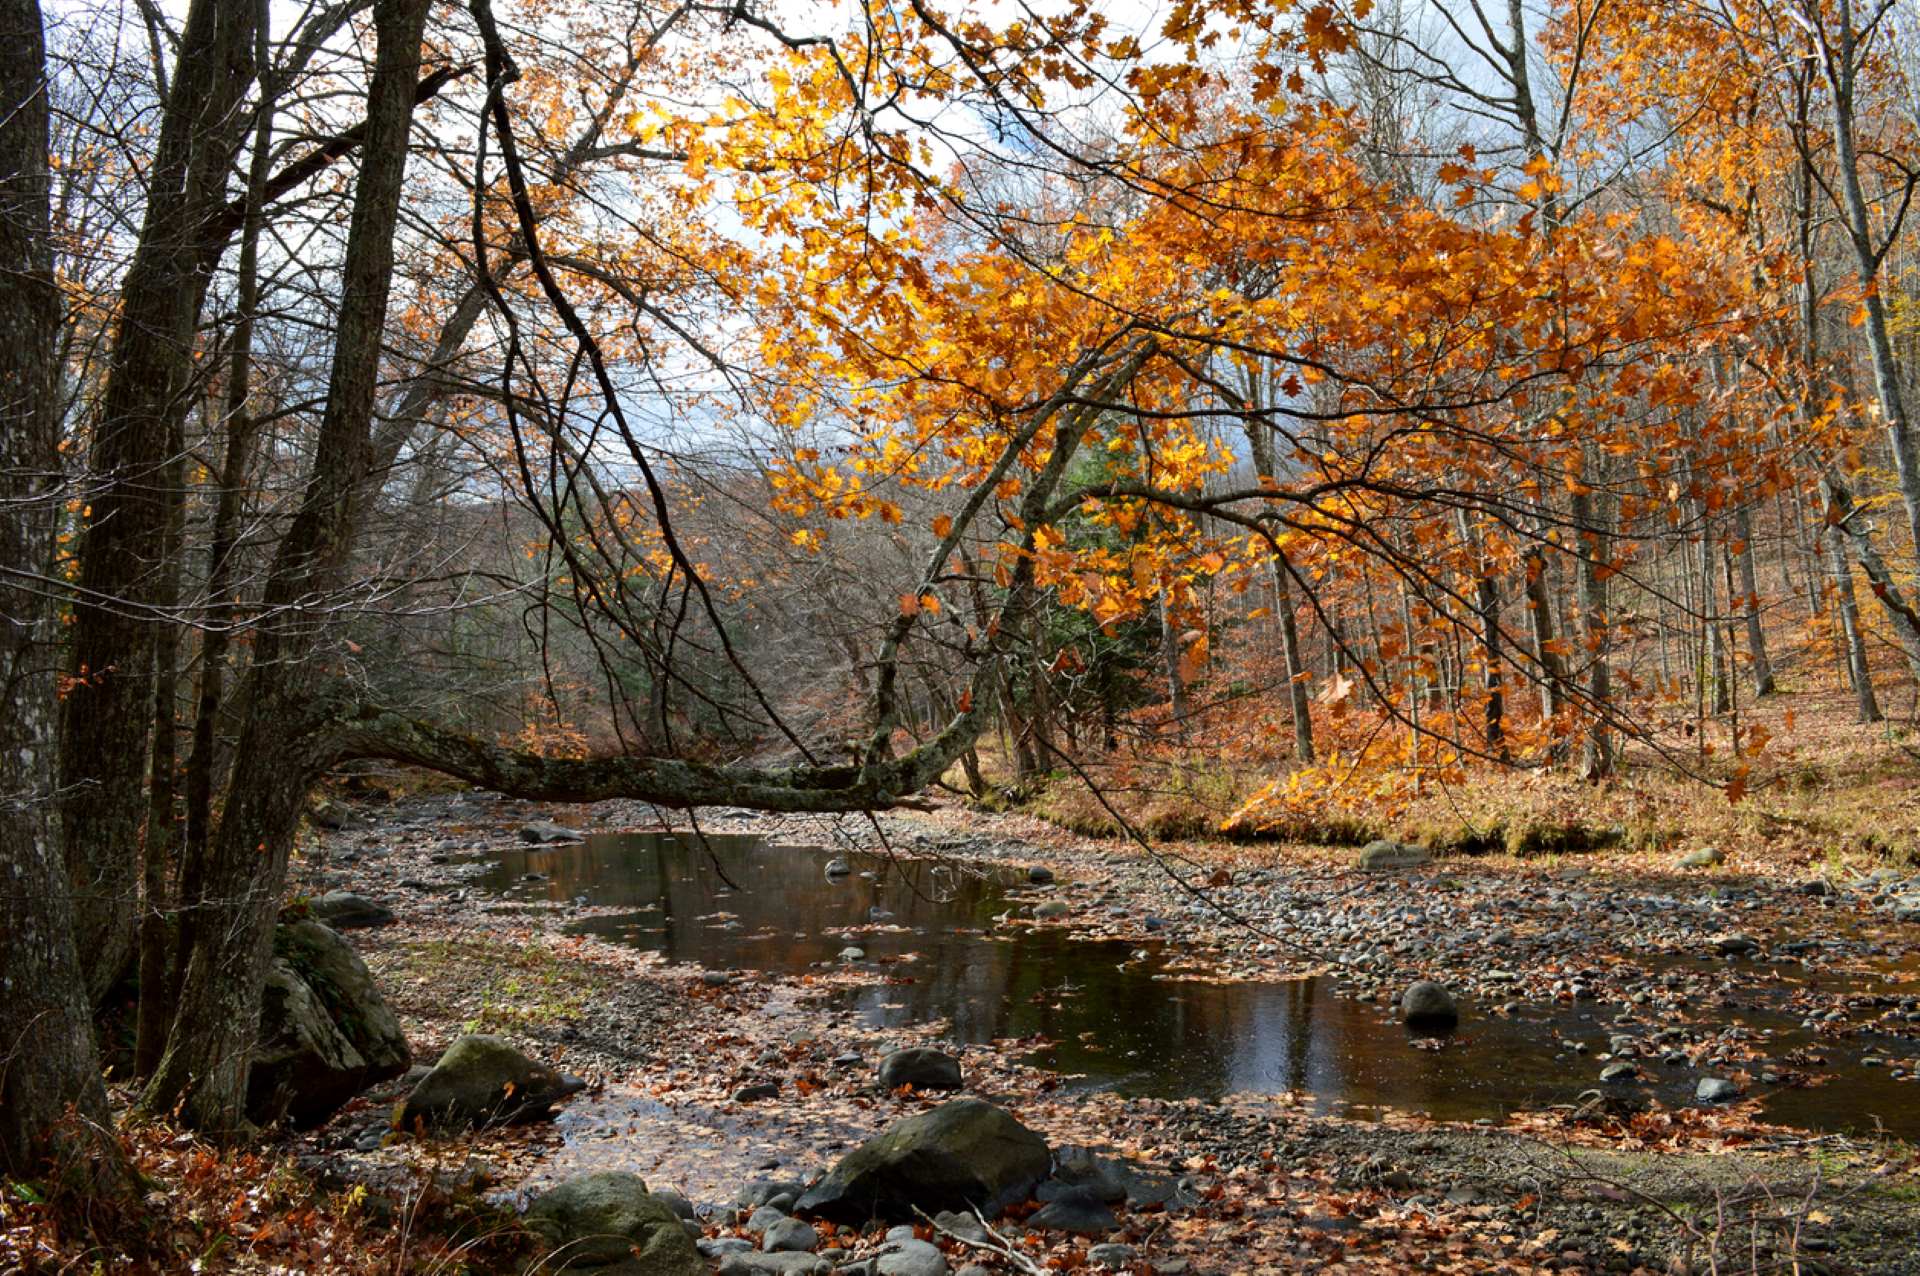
[[788, 1264], [326, 1034], [961, 1155], [343, 910], [546, 832], [481, 1081], [1427, 1004], [911, 1258], [789, 1235], [607, 1217], [1387, 854], [922, 1068]]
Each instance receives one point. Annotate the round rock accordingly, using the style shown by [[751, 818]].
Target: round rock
[[1427, 1004]]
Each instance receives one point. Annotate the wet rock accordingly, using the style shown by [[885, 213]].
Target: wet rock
[[1704, 858], [1427, 1004], [593, 1220], [1112, 1255], [1735, 945], [789, 1235], [756, 1092], [837, 867], [326, 1033], [480, 1081], [911, 1258], [1619, 1073], [343, 910], [1715, 1090], [1388, 854], [853, 954], [1078, 1210], [1040, 875], [922, 1068], [960, 1155], [546, 832]]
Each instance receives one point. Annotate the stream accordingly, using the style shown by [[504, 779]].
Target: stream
[[1115, 1015]]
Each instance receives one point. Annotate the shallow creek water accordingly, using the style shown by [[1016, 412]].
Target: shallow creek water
[[1106, 1018]]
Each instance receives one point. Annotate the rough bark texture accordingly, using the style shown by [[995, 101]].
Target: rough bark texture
[[53, 1109], [205, 1066], [149, 382]]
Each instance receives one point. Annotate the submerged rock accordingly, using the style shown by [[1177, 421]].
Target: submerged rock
[[921, 1067], [1388, 854], [481, 1081], [326, 1034], [608, 1217], [1427, 1004], [959, 1156]]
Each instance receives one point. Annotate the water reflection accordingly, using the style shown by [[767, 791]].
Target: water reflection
[[1111, 1019]]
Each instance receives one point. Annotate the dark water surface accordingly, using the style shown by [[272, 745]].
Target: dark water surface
[[1105, 1018]]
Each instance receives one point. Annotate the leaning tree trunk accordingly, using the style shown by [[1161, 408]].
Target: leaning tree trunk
[[103, 727], [53, 1109], [283, 742]]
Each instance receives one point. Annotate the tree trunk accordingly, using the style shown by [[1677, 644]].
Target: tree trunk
[[1597, 760], [53, 1110], [281, 753], [105, 714], [1853, 647], [1750, 606], [236, 461], [1296, 665], [158, 846]]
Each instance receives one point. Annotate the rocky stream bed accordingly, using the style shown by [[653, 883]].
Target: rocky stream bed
[[1658, 1066]]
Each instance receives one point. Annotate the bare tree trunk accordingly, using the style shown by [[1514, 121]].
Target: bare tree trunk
[[1296, 664], [1597, 760], [53, 1109], [105, 715], [1853, 647], [1841, 55], [158, 846], [241, 428], [1750, 605], [281, 750], [1170, 662]]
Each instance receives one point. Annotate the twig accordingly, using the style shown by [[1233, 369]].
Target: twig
[[998, 1244]]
